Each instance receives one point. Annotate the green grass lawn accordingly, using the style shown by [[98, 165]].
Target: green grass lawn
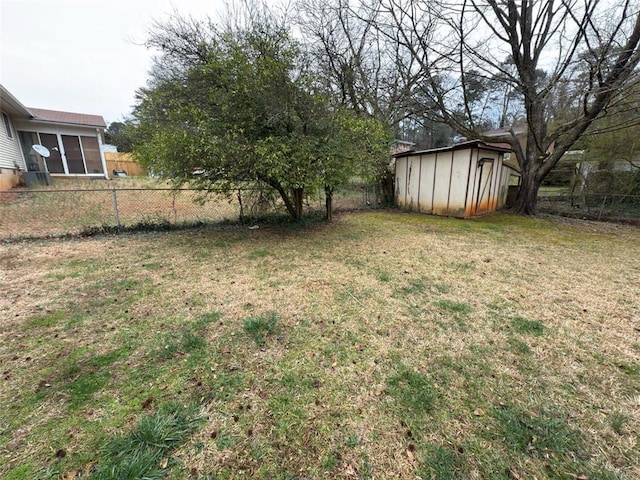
[[385, 345]]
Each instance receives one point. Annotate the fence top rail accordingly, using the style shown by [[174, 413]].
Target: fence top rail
[[591, 194], [73, 190]]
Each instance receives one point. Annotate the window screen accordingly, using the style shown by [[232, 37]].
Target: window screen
[[7, 125], [27, 140], [73, 153], [91, 151], [54, 162]]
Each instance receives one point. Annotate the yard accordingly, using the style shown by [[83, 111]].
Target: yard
[[385, 345]]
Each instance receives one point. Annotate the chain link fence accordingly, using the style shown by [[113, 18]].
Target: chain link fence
[[67, 211], [55, 212], [607, 191], [593, 206]]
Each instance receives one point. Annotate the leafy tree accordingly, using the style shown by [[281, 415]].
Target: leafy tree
[[119, 134], [358, 68], [240, 106], [611, 146], [615, 138], [356, 146]]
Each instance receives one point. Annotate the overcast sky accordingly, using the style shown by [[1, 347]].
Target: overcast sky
[[82, 55]]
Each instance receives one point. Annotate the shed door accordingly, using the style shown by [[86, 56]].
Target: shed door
[[485, 178]]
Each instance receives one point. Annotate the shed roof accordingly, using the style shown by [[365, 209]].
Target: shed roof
[[458, 146], [68, 117]]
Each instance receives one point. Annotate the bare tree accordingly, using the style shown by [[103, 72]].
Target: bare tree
[[361, 67], [567, 59]]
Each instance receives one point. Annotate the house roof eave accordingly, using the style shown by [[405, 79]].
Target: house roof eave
[[39, 121], [59, 117], [12, 105]]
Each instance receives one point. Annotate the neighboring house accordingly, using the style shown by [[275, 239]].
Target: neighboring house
[[73, 139], [463, 180], [400, 146], [583, 174], [501, 134], [107, 147], [11, 158], [520, 131]]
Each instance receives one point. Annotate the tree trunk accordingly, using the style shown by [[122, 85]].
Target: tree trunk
[[298, 197], [527, 198], [293, 208], [241, 206], [387, 189], [328, 202]]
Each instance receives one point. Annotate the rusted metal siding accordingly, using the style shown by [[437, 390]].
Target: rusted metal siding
[[507, 173], [443, 162], [401, 181], [486, 182], [413, 183], [461, 182], [458, 183], [472, 175], [427, 178]]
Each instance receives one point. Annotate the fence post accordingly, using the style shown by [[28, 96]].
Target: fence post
[[173, 206], [115, 208], [604, 201]]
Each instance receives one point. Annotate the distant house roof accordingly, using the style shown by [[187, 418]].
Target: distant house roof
[[69, 118], [501, 132], [458, 146], [401, 146]]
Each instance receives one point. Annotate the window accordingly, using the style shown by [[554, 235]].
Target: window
[[7, 125], [27, 140], [75, 162], [92, 157], [69, 154], [54, 162]]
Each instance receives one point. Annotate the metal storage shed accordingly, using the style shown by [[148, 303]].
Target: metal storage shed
[[463, 180]]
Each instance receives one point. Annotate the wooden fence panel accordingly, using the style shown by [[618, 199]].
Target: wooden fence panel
[[123, 161]]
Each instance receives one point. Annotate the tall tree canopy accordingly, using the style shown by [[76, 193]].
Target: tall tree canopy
[[119, 134], [240, 105], [560, 62], [365, 71]]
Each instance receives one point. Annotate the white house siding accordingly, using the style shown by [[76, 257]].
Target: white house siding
[[10, 155]]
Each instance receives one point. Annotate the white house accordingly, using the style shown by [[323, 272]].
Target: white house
[[464, 180], [73, 139]]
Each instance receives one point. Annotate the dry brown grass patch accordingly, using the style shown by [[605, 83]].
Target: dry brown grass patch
[[503, 314]]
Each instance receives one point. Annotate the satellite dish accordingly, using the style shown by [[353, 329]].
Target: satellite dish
[[41, 150]]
